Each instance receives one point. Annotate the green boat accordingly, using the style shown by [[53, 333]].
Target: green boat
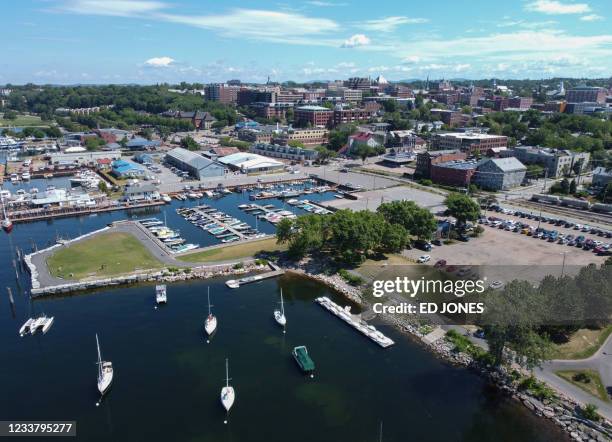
[[300, 354]]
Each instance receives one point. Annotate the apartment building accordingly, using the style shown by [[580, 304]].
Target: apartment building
[[586, 94], [556, 162], [470, 142]]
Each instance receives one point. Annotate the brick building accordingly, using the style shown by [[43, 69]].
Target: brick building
[[453, 173], [316, 116], [425, 160], [469, 142]]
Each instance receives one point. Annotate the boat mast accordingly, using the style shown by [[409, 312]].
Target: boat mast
[[209, 301], [99, 356], [282, 305], [226, 373]]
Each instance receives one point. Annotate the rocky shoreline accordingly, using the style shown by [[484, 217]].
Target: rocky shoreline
[[561, 410]]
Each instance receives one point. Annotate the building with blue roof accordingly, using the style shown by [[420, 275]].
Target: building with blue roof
[[124, 170], [142, 144]]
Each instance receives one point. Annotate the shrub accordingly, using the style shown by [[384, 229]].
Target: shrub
[[590, 412], [238, 265], [582, 377], [425, 182], [536, 388], [353, 280]]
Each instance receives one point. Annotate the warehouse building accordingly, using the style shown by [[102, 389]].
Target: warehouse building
[[499, 173], [251, 163], [195, 164]]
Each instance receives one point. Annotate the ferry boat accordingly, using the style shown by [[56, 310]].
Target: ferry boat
[[160, 294], [301, 356], [105, 371]]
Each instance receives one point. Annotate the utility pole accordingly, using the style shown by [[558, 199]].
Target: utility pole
[[563, 265], [545, 177]]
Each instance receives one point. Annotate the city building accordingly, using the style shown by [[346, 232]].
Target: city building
[[271, 110], [123, 170], [556, 162], [345, 116], [474, 143], [245, 97], [602, 176], [406, 140], [195, 164], [83, 158], [520, 102], [223, 93], [138, 143], [425, 160], [309, 137], [586, 94], [201, 120], [499, 173], [316, 116], [251, 163], [284, 152], [454, 173], [450, 117], [140, 192], [359, 83], [360, 139]]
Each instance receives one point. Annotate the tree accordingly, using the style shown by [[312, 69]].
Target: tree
[[189, 143], [102, 187], [565, 186], [416, 220], [462, 207], [572, 187], [364, 151], [9, 115], [296, 143], [394, 239], [338, 137]]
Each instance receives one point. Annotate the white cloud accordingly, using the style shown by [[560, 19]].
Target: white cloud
[[325, 4], [412, 59], [274, 26], [389, 24], [356, 41], [556, 7], [159, 62], [120, 8], [591, 17]]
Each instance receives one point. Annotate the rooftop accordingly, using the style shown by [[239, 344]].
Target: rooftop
[[314, 108], [188, 157]]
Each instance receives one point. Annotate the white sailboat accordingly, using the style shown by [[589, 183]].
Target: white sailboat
[[279, 315], [105, 371], [7, 224], [228, 395], [210, 325]]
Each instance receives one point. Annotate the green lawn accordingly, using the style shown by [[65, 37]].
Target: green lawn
[[236, 251], [582, 344], [104, 255], [23, 120], [594, 386]]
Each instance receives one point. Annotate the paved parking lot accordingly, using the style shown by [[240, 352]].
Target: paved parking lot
[[508, 255], [373, 198]]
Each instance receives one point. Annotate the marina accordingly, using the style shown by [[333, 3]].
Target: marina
[[345, 314]]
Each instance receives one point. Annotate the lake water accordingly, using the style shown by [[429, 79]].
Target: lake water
[[168, 379]]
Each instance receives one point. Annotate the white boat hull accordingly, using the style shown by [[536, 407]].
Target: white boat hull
[[47, 325], [105, 382], [280, 318], [210, 325], [227, 397]]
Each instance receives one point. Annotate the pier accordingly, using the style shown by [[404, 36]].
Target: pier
[[355, 322], [43, 214], [212, 219], [236, 283]]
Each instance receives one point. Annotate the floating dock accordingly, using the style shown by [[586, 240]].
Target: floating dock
[[357, 323], [235, 283]]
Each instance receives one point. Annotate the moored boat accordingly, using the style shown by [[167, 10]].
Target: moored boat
[[301, 356]]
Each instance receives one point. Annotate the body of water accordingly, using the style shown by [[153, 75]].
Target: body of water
[[168, 379]]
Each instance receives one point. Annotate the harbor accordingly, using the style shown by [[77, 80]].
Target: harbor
[[357, 323]]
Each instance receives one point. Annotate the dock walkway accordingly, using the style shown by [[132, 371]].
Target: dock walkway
[[219, 222]]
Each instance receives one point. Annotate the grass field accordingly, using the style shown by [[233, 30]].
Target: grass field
[[583, 343], [104, 255], [594, 387], [234, 252], [23, 120]]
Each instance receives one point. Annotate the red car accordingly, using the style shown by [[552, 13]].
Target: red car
[[440, 263]]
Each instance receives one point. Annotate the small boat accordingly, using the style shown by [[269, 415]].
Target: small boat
[[210, 324], [48, 322], [230, 239], [25, 328], [105, 371], [279, 315], [300, 354], [160, 294], [228, 395], [36, 324], [232, 283]]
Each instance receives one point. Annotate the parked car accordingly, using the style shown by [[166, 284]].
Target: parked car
[[423, 259], [440, 263], [422, 245], [437, 242], [496, 285]]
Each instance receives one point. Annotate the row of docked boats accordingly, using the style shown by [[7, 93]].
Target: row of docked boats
[[32, 325], [308, 206], [345, 314], [170, 238], [222, 226], [287, 192], [268, 212]]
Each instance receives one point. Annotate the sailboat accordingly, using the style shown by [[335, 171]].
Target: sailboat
[[105, 372], [279, 315], [7, 224], [228, 395], [210, 325]]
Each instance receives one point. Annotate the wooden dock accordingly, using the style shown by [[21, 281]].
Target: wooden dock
[[40, 215], [220, 223], [236, 283]]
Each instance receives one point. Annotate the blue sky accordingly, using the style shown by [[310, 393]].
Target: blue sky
[[148, 41]]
